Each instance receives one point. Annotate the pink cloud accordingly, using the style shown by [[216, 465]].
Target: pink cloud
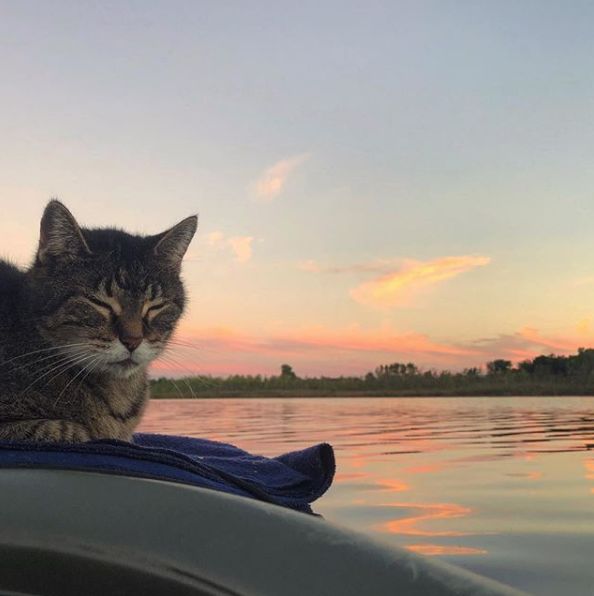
[[529, 342], [272, 181], [240, 246], [397, 287]]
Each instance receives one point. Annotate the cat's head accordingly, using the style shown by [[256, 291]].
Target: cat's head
[[110, 300]]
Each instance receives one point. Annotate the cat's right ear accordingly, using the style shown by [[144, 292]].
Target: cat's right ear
[[172, 244], [60, 236]]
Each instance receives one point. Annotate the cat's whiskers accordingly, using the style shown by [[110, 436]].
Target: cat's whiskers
[[179, 349], [168, 358], [69, 366], [79, 352], [94, 360], [61, 359], [182, 379], [199, 351], [175, 342], [176, 339], [167, 351], [90, 369], [52, 348], [63, 366], [177, 388]]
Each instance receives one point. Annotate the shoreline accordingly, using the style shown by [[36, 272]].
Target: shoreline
[[364, 394]]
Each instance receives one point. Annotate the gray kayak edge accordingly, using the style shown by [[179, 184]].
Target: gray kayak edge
[[67, 532]]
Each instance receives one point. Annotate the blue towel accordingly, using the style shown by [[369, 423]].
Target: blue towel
[[292, 480]]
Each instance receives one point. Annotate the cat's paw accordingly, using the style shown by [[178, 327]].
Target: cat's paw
[[73, 432], [45, 431]]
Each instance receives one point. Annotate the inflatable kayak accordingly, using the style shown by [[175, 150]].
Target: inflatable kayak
[[116, 529]]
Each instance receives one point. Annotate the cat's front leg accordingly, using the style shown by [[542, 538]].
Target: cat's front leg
[[44, 431]]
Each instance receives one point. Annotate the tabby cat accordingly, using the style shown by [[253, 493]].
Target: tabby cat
[[80, 326]]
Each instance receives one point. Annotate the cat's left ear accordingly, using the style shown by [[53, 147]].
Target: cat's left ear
[[60, 237], [172, 244]]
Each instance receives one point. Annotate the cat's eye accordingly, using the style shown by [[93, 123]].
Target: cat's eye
[[101, 304], [155, 307], [152, 311]]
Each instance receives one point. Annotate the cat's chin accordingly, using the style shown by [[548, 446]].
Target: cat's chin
[[123, 370]]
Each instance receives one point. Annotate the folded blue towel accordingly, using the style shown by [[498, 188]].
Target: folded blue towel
[[292, 480]]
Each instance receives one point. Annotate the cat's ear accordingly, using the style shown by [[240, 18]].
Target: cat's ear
[[60, 236], [172, 244]]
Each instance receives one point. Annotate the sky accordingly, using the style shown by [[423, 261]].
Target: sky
[[375, 181]]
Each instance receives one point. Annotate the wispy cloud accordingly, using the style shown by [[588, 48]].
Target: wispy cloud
[[350, 339], [240, 246], [397, 287], [272, 181], [529, 342]]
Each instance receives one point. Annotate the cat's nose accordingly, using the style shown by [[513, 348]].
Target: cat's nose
[[131, 341]]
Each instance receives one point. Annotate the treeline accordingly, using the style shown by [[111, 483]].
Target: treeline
[[544, 375]]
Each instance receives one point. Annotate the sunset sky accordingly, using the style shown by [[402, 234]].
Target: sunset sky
[[376, 181]]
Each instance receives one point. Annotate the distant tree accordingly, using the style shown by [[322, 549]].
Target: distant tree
[[287, 372], [382, 371], [551, 365], [472, 373], [397, 369], [526, 366], [499, 366], [582, 364], [411, 369]]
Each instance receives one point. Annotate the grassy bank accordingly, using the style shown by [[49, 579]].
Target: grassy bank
[[164, 391], [544, 375]]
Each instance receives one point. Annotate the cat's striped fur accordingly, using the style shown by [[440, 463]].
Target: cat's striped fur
[[80, 326]]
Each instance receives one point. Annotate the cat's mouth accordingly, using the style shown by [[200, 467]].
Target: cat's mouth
[[126, 363]]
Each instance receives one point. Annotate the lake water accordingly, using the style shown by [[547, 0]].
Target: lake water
[[501, 486]]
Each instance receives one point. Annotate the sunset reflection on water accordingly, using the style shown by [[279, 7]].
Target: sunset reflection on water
[[503, 486], [413, 525]]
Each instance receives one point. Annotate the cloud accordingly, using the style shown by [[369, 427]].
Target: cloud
[[215, 238], [355, 339], [396, 288], [526, 343], [270, 184], [240, 246]]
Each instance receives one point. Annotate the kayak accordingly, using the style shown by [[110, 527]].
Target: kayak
[[68, 532]]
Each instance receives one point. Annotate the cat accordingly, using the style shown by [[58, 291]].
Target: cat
[[79, 327]]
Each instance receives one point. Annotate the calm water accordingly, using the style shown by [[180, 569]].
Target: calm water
[[502, 486]]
